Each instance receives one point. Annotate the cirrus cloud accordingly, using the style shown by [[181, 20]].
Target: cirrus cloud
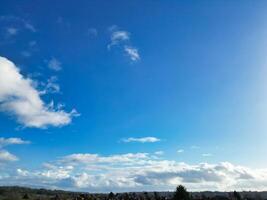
[[121, 38], [132, 53]]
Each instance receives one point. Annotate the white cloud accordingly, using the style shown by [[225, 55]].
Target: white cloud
[[54, 64], [180, 151], [141, 140], [95, 158], [20, 99], [132, 53], [121, 39], [5, 156], [117, 37], [12, 141], [137, 171]]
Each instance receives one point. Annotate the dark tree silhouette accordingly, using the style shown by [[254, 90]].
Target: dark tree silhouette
[[147, 197], [111, 195], [237, 196], [26, 196], [126, 196], [156, 196], [181, 193]]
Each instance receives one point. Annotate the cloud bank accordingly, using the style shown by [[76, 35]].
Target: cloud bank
[[136, 172], [20, 99]]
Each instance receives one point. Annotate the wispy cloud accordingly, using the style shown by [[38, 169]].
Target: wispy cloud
[[18, 23], [11, 31], [159, 153], [26, 54], [92, 32], [132, 53], [141, 139], [5, 156], [117, 37], [54, 64], [50, 86], [12, 141], [29, 26], [19, 98], [95, 158], [121, 38], [32, 43], [180, 151]]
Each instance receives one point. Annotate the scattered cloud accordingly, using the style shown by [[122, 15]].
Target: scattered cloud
[[132, 53], [136, 171], [117, 37], [12, 141], [5, 156], [51, 86], [20, 99], [54, 64], [121, 38], [17, 23], [180, 151], [141, 140]]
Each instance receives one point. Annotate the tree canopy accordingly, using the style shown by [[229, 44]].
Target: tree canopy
[[181, 193]]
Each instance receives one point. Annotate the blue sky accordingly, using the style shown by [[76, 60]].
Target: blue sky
[[172, 89]]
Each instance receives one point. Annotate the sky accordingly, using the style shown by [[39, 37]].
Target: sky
[[103, 96]]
